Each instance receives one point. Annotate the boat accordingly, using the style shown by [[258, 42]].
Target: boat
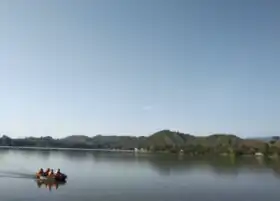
[[51, 179]]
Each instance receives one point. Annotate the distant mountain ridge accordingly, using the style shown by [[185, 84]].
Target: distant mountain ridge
[[265, 139], [162, 141]]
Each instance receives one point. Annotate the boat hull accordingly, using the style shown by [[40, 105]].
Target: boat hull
[[51, 179]]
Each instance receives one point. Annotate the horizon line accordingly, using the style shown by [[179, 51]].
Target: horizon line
[[137, 136]]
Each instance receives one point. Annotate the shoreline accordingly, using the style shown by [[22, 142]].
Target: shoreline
[[65, 149], [123, 151], [18, 148]]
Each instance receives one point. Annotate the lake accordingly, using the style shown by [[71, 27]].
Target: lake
[[102, 176]]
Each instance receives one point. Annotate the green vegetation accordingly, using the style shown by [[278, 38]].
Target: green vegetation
[[162, 141]]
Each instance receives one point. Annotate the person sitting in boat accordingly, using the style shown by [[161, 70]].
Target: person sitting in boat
[[47, 172], [40, 172], [51, 173], [58, 172]]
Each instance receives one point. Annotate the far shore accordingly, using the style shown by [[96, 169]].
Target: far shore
[[118, 150], [66, 149]]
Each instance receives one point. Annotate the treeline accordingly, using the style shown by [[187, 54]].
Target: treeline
[[162, 141]]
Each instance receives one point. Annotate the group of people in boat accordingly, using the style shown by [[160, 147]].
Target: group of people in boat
[[49, 172]]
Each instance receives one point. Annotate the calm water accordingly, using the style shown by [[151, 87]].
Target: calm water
[[129, 177]]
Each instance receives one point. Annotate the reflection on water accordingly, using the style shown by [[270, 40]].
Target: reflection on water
[[49, 185], [170, 164], [161, 163], [128, 176]]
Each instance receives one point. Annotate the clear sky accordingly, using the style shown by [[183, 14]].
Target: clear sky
[[135, 67]]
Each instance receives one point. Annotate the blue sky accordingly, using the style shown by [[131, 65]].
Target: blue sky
[[135, 67]]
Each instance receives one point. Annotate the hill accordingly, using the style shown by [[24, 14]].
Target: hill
[[265, 139], [162, 141]]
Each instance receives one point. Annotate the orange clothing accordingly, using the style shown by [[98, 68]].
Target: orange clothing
[[39, 173], [50, 174]]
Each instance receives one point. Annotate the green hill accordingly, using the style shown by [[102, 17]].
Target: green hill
[[163, 141]]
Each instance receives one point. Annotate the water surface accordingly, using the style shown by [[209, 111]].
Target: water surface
[[101, 176]]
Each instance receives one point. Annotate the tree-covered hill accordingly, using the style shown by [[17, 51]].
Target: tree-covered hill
[[161, 141]]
